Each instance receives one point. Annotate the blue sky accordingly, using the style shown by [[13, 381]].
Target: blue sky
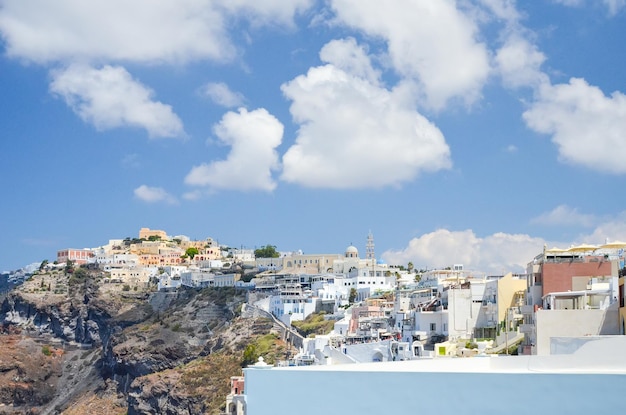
[[466, 132]]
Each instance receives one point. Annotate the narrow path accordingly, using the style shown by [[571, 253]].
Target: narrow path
[[288, 333]]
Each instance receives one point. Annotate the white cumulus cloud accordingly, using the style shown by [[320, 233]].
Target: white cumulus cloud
[[137, 30], [351, 58], [587, 126], [519, 61], [253, 137], [154, 194], [499, 252], [432, 42], [109, 97], [495, 254], [171, 31], [354, 133]]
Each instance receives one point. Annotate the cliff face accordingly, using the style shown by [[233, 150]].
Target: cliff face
[[27, 375], [59, 317], [196, 388], [127, 351]]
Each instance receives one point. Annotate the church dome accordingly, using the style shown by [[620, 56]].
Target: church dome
[[352, 252]]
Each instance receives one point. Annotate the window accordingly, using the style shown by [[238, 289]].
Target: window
[[433, 326]]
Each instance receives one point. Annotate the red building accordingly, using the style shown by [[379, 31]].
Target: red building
[[77, 256], [573, 274]]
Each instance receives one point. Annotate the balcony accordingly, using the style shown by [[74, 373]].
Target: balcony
[[527, 309], [526, 328]]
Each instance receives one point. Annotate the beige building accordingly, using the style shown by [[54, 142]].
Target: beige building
[[309, 264], [146, 233], [131, 276]]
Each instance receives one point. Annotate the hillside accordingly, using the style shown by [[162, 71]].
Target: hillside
[[100, 349]]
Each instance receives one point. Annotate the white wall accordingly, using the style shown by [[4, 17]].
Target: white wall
[[573, 323], [363, 389], [423, 320], [461, 316]]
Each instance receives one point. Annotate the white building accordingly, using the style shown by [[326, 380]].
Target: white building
[[243, 255], [451, 305], [292, 307], [202, 279], [168, 282]]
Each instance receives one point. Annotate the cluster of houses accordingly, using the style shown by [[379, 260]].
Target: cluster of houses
[[578, 291], [565, 316], [566, 299]]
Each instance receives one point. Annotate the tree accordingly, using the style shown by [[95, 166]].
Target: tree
[[191, 252], [80, 273], [250, 355], [353, 294], [410, 266], [267, 251], [43, 264]]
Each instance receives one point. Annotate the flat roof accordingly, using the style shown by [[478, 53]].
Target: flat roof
[[604, 356]]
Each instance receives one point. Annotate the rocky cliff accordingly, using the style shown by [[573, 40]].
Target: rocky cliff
[[123, 351]]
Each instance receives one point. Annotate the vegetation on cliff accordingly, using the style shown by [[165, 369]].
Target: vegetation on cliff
[[314, 324]]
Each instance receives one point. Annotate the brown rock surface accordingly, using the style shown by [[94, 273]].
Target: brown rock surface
[[29, 373]]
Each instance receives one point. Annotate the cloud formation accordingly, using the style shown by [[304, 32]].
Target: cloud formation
[[266, 12], [167, 31], [354, 133], [518, 62], [113, 30], [253, 137], [611, 229], [173, 32], [221, 94], [495, 254], [564, 215], [109, 97], [613, 6], [587, 126], [433, 43], [499, 253], [154, 195]]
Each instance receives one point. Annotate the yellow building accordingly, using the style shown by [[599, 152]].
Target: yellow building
[[510, 294]]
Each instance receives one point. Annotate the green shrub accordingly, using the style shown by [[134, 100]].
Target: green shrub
[[45, 349]]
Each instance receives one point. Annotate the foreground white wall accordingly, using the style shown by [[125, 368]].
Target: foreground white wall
[[574, 323], [520, 385]]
